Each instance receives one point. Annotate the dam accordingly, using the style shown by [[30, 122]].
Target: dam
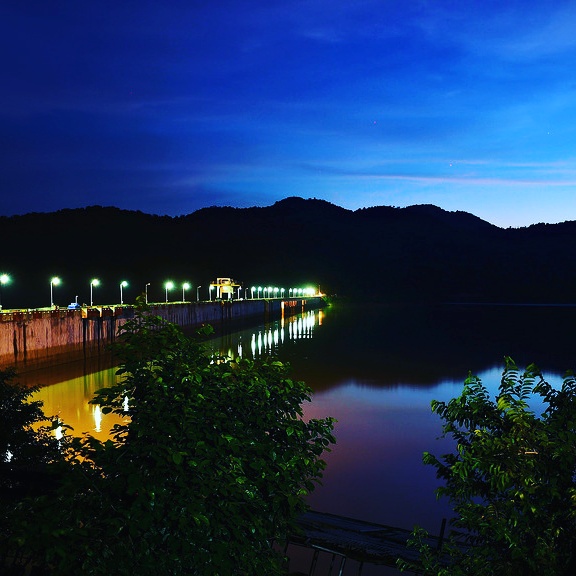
[[33, 339]]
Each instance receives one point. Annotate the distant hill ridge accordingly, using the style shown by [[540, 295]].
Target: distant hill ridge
[[417, 253]]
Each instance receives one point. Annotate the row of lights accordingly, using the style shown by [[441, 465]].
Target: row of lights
[[273, 291], [170, 286], [95, 282], [266, 291], [55, 281]]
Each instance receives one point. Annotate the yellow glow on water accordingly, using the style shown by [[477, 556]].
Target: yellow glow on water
[[69, 400]]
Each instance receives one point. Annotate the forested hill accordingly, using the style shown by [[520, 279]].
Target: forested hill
[[419, 253]]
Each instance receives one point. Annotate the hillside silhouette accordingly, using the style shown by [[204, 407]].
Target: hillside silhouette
[[415, 254]]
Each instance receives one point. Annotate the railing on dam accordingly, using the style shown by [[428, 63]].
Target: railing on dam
[[33, 338], [59, 313]]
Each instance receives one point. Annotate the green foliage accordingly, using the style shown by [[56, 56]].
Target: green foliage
[[511, 480], [26, 440], [209, 468], [28, 450]]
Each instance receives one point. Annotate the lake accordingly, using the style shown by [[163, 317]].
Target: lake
[[376, 368]]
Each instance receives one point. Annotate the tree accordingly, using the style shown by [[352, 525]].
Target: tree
[[28, 448], [25, 433], [511, 479], [208, 470]]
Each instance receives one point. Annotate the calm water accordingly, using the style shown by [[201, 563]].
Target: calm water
[[376, 369]]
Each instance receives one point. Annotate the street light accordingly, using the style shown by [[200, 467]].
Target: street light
[[185, 286], [198, 293], [123, 284], [146, 291], [93, 282], [258, 293], [53, 282], [4, 279], [169, 285], [210, 292], [252, 292]]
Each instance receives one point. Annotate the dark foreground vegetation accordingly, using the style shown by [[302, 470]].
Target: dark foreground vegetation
[[419, 253], [213, 461], [206, 472], [511, 479]]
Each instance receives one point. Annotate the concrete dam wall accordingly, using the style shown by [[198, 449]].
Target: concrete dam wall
[[41, 338]]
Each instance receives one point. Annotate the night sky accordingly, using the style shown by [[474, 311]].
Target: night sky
[[170, 106]]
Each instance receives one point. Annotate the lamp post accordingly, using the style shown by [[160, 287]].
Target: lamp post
[[258, 293], [210, 292], [4, 279], [53, 282], [123, 284], [185, 287], [252, 292], [198, 293], [169, 285], [93, 282], [146, 292]]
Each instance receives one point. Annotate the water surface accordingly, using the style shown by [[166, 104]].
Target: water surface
[[376, 369]]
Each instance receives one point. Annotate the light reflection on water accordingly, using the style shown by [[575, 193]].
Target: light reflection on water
[[376, 374], [69, 400], [375, 470], [268, 339]]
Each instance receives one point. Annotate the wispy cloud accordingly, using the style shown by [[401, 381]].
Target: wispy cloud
[[470, 181]]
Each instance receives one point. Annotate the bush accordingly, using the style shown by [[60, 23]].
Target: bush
[[511, 479], [210, 468]]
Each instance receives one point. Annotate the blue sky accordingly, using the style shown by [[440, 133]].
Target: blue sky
[[167, 107]]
